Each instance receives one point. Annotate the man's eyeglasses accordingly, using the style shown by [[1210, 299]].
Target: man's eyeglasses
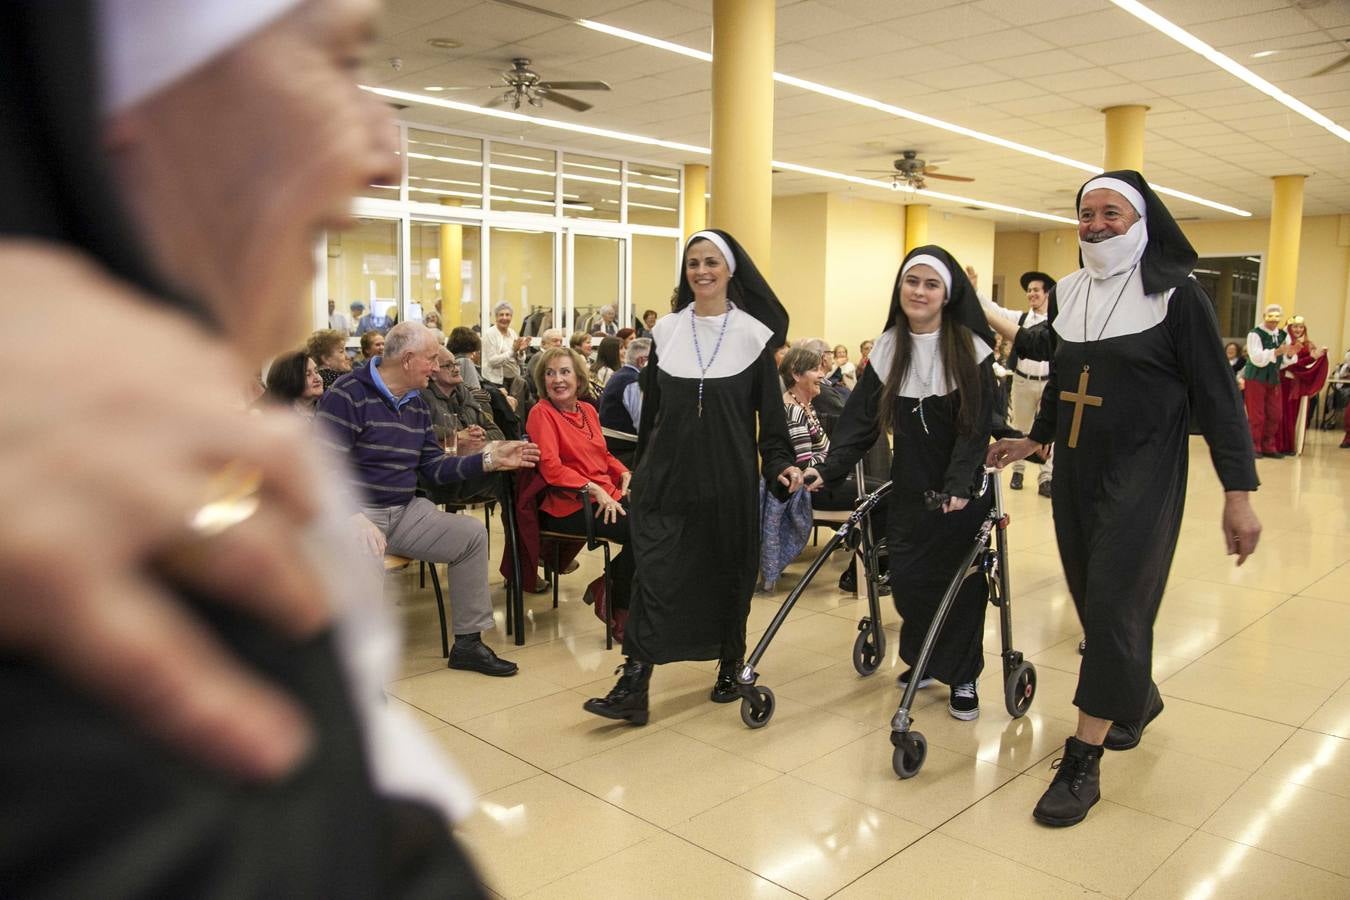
[[451, 366]]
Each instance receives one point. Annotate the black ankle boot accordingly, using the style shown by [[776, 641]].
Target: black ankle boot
[[627, 700], [724, 691], [1126, 735], [1077, 785]]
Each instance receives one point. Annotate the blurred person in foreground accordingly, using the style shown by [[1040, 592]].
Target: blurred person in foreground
[[192, 702]]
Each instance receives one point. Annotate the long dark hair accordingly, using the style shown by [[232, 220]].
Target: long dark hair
[[286, 377], [958, 363], [607, 355]]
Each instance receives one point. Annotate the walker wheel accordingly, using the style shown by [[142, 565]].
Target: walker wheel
[[1019, 690], [764, 701], [908, 756], [867, 655]]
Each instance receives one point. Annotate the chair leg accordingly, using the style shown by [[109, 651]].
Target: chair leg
[[421, 574], [557, 571], [440, 609], [609, 600]]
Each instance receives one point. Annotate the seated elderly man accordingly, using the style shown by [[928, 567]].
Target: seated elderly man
[[377, 417], [454, 407]]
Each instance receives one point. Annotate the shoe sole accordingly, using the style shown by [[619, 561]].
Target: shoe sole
[[724, 698], [963, 715], [1063, 823], [634, 718], [496, 674]]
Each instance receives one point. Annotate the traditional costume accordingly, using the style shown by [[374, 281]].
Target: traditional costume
[[93, 805], [1135, 352], [712, 419], [1266, 344], [925, 546], [1303, 377]]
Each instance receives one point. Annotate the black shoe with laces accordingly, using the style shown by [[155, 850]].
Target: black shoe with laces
[[473, 655], [965, 702], [1076, 788], [724, 690], [1016, 482], [627, 700], [1044, 489]]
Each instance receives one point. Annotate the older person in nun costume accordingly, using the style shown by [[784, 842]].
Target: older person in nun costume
[[1134, 349], [711, 404], [168, 565]]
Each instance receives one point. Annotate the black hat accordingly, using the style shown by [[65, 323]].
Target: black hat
[[962, 301], [1046, 281], [1168, 256], [748, 289]]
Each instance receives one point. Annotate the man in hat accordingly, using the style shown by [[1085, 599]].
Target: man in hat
[[357, 310], [1134, 350], [1268, 351], [1029, 375]]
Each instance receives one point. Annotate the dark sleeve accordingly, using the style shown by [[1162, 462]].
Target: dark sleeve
[[1214, 398], [650, 385], [1043, 429], [775, 449], [336, 415], [968, 452], [856, 432], [1035, 343]]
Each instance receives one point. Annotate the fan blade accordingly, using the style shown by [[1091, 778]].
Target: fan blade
[[500, 101], [931, 174], [1327, 70], [564, 100], [573, 85], [472, 87]]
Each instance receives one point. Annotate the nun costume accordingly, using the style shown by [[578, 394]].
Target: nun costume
[[1135, 352], [94, 806], [712, 421], [936, 449]]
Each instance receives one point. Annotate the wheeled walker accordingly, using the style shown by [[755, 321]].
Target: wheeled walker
[[988, 559], [869, 648]]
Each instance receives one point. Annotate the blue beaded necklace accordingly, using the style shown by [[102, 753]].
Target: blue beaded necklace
[[698, 354]]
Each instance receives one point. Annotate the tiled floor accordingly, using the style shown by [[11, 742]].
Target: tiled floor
[[1240, 789]]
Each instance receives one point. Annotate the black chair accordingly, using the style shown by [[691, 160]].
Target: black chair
[[392, 563]]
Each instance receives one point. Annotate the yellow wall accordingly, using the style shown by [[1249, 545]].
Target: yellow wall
[[1058, 252], [522, 271], [1015, 252], [656, 272], [971, 241], [864, 246], [798, 271]]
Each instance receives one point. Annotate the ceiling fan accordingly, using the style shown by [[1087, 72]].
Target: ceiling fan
[[524, 86], [910, 171]]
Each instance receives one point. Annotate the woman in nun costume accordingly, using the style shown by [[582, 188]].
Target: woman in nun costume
[[712, 421], [930, 380], [97, 802], [1135, 351]]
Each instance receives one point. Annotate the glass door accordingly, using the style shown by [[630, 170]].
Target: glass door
[[596, 282]]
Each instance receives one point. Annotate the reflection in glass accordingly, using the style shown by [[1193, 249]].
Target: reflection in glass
[[653, 195], [1231, 283], [597, 282], [363, 268], [656, 273], [446, 272], [445, 168], [524, 179], [592, 187], [522, 275]]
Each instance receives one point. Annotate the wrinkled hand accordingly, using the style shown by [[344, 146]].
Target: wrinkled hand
[[509, 455], [372, 538], [470, 440], [791, 478], [98, 479], [1241, 528], [610, 509], [811, 480], [954, 504], [1010, 450], [624, 482]]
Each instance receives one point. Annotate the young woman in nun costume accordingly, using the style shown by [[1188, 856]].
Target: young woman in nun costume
[[142, 145], [930, 381], [712, 421], [1134, 349]]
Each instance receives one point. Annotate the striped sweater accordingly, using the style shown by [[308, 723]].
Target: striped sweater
[[388, 444]]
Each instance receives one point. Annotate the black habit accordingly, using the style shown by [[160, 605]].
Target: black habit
[[1120, 475]]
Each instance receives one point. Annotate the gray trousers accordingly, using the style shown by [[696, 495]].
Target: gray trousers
[[422, 531], [1026, 399]]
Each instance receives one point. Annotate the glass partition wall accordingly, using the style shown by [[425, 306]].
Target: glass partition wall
[[477, 221]]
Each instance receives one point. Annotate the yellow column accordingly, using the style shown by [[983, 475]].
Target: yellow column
[[742, 123], [1286, 226], [1124, 138], [694, 201], [452, 284], [916, 225]]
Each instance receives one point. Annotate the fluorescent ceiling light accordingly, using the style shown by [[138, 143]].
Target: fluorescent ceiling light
[[650, 41], [1193, 43], [1262, 54], [691, 148]]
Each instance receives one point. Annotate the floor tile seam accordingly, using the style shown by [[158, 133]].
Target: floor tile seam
[[1276, 853], [509, 706], [1251, 776], [1161, 690], [1223, 668], [1166, 859], [732, 862], [539, 770], [693, 737]]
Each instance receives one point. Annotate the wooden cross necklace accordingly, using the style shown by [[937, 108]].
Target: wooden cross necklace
[[1081, 397]]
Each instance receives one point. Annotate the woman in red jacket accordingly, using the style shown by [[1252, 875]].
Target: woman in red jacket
[[573, 458]]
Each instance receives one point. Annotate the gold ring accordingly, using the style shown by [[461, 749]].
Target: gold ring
[[233, 496]]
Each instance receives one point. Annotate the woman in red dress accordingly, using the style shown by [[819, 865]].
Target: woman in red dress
[[1303, 377]]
